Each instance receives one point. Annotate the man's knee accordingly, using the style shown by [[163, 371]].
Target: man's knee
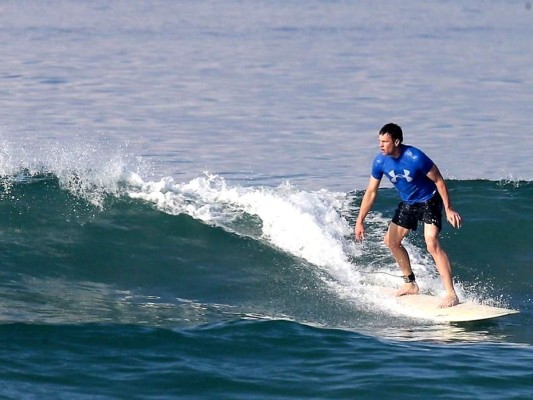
[[394, 236], [431, 236], [392, 243], [432, 245]]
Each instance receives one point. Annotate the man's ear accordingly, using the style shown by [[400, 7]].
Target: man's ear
[[397, 142]]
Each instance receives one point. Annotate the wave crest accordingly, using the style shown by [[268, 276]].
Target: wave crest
[[88, 169]]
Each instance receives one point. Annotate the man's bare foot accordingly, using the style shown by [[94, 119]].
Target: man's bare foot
[[408, 288], [449, 301]]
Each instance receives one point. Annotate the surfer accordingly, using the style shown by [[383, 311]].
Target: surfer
[[423, 194]]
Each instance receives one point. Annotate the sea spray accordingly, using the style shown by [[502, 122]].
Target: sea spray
[[88, 168]]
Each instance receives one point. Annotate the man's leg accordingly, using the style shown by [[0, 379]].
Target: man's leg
[[393, 239], [431, 235]]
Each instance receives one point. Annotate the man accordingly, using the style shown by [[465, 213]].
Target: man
[[423, 193]]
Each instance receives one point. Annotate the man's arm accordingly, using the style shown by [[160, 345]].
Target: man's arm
[[366, 205], [452, 216]]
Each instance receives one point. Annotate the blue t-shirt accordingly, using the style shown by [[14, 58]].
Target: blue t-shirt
[[407, 173]]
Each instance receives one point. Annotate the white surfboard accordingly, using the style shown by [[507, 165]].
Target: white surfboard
[[426, 306]]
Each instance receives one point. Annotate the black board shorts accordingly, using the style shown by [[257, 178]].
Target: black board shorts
[[429, 212]]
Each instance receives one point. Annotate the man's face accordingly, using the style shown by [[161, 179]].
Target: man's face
[[387, 144]]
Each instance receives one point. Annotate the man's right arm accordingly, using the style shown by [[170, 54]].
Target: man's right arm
[[366, 205]]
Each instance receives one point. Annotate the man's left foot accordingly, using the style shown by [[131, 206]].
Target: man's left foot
[[449, 301], [407, 289]]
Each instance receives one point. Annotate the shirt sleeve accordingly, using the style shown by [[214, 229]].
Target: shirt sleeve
[[425, 163], [377, 168]]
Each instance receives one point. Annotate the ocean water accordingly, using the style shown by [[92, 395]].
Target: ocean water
[[179, 182]]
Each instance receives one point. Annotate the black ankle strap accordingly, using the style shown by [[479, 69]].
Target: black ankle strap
[[409, 278]]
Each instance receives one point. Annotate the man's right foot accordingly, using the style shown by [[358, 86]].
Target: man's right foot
[[449, 301], [407, 289]]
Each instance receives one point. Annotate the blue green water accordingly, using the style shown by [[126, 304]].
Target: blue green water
[[179, 182], [192, 297]]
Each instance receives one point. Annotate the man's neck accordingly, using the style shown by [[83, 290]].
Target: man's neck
[[397, 151]]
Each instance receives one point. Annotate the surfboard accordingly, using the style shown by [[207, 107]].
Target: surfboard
[[426, 306]]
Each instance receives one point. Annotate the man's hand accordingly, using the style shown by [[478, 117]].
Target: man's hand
[[454, 218], [359, 231]]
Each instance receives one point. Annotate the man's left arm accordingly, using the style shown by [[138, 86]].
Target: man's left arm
[[452, 216]]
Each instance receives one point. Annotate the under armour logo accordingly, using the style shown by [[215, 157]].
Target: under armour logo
[[394, 177]]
